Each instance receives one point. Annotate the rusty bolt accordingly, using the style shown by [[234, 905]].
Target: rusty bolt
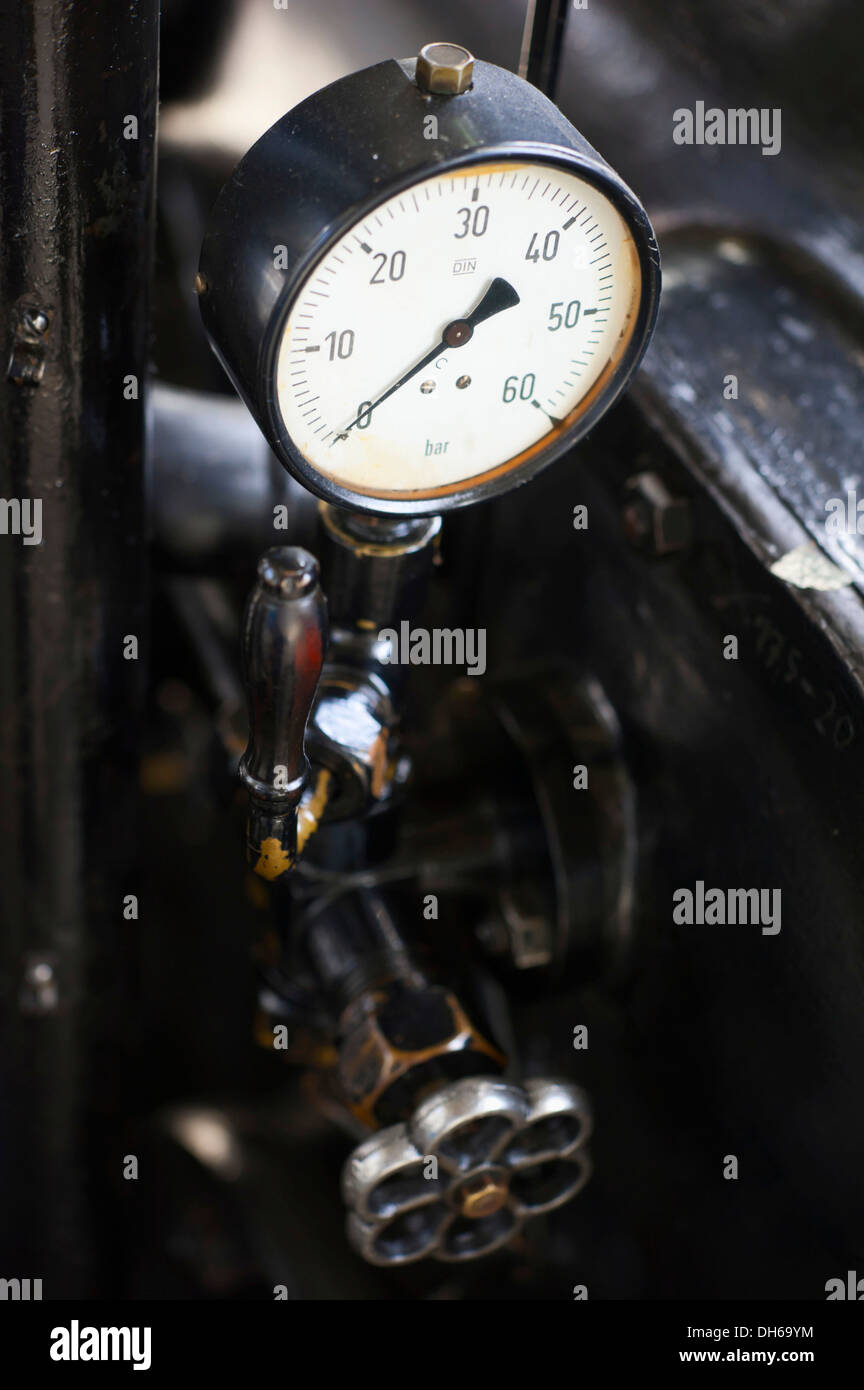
[[35, 321], [26, 364], [40, 993]]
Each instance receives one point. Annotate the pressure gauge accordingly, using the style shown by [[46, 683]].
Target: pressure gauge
[[426, 285]]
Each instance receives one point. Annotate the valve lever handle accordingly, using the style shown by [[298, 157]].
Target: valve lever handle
[[284, 643]]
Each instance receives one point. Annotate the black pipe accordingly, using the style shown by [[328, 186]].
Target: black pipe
[[78, 99], [218, 496], [356, 945], [543, 44]]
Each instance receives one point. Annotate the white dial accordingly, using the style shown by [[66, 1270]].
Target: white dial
[[457, 328]]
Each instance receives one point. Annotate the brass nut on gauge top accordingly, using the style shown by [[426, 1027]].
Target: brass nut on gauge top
[[444, 69]]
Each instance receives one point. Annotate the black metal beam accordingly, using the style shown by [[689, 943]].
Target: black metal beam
[[543, 43], [78, 97]]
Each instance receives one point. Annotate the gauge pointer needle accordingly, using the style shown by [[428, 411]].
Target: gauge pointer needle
[[500, 295]]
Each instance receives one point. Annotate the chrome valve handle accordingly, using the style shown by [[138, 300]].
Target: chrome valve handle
[[284, 642], [475, 1160]]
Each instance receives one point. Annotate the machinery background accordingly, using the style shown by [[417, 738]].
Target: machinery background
[[703, 1042]]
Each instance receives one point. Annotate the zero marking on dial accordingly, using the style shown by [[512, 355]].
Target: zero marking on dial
[[456, 327]]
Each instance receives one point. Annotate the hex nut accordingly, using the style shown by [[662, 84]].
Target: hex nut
[[444, 69], [654, 520]]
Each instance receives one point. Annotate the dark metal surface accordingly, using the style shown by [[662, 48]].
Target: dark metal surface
[[726, 1041], [748, 772], [75, 226]]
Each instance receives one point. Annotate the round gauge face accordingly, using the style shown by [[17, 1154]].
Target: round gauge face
[[457, 330]]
